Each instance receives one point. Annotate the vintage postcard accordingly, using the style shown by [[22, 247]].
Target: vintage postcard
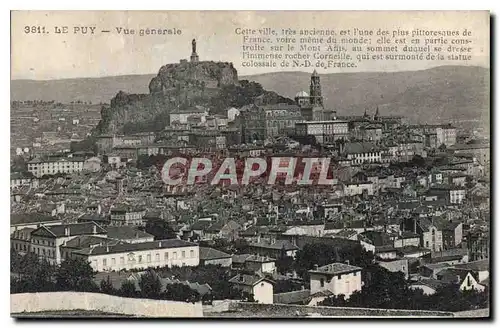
[[254, 164]]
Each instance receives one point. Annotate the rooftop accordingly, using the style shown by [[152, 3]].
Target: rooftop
[[336, 268], [122, 248]]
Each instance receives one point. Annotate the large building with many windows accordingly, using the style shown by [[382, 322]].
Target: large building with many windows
[[325, 132], [47, 240], [159, 253], [41, 167]]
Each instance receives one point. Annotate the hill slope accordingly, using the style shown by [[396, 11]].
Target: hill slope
[[437, 94], [442, 93], [96, 90]]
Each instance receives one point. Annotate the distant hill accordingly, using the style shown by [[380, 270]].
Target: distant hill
[[96, 90], [437, 94], [441, 93]]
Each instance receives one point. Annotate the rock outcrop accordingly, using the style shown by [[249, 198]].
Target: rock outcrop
[[210, 84]]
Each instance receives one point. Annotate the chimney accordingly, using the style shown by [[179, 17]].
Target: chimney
[[66, 231], [315, 267], [241, 278], [107, 248], [94, 229], [458, 278], [347, 262], [159, 244], [334, 116]]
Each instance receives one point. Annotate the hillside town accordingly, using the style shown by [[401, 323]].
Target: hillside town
[[406, 215]]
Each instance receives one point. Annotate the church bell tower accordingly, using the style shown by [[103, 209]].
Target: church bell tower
[[315, 90]]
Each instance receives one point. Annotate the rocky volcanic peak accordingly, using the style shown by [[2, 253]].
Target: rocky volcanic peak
[[201, 74], [214, 85]]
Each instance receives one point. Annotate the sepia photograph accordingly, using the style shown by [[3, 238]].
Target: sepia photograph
[[250, 164]]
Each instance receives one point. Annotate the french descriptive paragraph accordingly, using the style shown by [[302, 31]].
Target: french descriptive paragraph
[[350, 48]]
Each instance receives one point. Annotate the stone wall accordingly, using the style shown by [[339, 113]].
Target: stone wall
[[67, 301], [287, 311]]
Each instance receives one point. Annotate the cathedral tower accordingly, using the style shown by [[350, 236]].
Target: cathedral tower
[[315, 90]]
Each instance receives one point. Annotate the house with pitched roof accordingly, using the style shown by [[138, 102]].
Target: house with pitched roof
[[335, 279], [465, 278], [47, 240], [257, 285], [211, 256]]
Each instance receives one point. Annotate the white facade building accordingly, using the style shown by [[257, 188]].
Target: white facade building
[[39, 167], [337, 278], [160, 253]]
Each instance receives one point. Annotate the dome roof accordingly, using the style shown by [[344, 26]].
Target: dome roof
[[301, 94]]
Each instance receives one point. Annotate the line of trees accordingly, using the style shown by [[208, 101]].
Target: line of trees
[[30, 274], [389, 290]]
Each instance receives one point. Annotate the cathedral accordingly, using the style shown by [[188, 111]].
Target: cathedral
[[311, 105]]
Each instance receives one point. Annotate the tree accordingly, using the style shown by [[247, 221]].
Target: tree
[[160, 229], [150, 285], [284, 264], [76, 274], [181, 292], [322, 254], [127, 289], [107, 287]]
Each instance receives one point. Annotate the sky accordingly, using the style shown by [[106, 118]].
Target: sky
[[45, 56]]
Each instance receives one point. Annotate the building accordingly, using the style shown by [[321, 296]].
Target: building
[[128, 234], [407, 238], [260, 287], [47, 240], [452, 234], [337, 278], [478, 245], [261, 264], [41, 167], [160, 253], [127, 216], [358, 188], [210, 256], [189, 115], [31, 220], [452, 194], [278, 119], [18, 179], [20, 240], [312, 104], [446, 135], [325, 132], [466, 279], [362, 152], [400, 265], [92, 164]]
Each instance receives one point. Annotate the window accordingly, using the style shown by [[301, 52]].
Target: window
[[183, 254], [322, 282], [468, 281], [166, 256], [113, 261], [157, 258], [140, 258], [191, 253], [355, 273], [104, 262], [122, 260], [175, 255], [149, 258], [339, 277]]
